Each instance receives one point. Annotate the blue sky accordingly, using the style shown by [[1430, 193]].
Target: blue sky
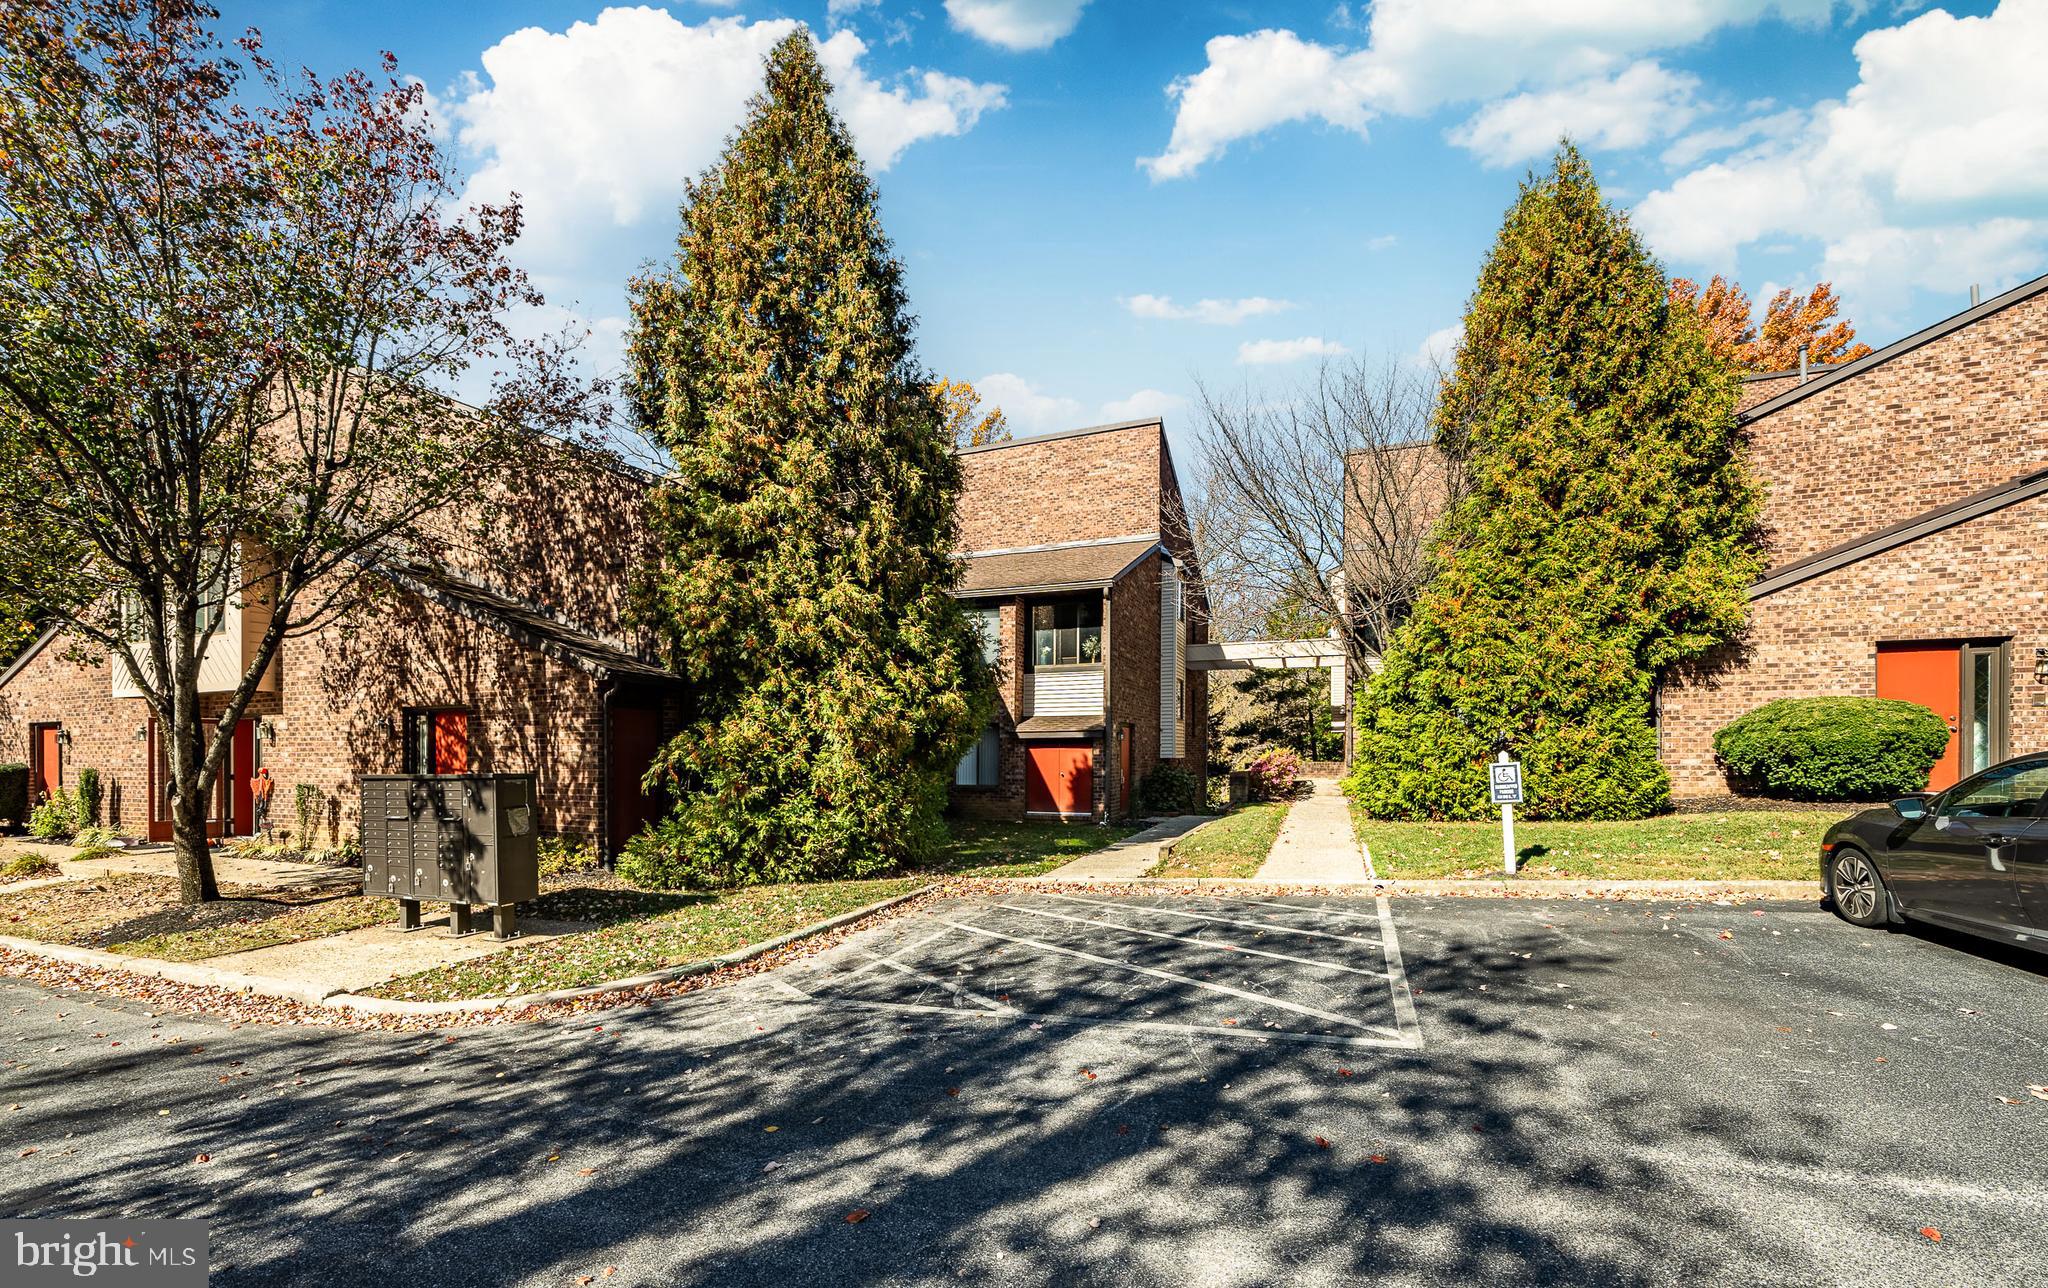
[[1068, 181]]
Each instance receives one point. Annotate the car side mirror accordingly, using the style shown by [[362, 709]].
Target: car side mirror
[[1910, 808]]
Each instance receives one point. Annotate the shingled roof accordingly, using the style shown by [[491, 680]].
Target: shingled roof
[[1082, 566]]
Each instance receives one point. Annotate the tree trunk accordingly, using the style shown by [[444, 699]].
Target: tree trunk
[[196, 883]]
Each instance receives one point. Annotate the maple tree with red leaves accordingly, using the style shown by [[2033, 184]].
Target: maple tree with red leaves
[[229, 295], [1791, 320]]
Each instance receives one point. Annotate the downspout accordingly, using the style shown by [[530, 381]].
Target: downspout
[[607, 689], [1111, 764]]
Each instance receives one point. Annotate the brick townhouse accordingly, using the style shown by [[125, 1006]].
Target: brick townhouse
[[1906, 527], [1079, 567], [497, 646]]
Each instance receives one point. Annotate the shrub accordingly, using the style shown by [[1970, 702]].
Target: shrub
[[1168, 789], [1833, 749], [1274, 774], [89, 797], [25, 867], [55, 819], [567, 852], [660, 858], [14, 794], [306, 801], [94, 842]]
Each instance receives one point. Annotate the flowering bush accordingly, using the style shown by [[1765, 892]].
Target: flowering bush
[[1274, 775]]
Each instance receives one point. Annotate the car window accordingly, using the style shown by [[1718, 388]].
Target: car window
[[2009, 791]]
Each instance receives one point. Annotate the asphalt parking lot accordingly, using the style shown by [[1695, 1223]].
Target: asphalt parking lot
[[1073, 1089]]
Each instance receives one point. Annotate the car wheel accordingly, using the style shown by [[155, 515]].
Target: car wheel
[[1857, 890]]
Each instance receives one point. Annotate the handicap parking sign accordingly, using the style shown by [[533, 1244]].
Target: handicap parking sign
[[1506, 782]]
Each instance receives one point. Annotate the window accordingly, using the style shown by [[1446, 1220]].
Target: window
[[982, 765], [2010, 791], [1067, 632], [988, 624], [213, 598], [436, 741]]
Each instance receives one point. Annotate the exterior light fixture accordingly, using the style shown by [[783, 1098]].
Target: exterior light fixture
[[2041, 665], [63, 737], [267, 730], [142, 733]]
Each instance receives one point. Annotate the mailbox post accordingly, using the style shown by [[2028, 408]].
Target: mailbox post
[[1505, 786]]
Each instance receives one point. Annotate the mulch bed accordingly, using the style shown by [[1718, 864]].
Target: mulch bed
[[1728, 803]]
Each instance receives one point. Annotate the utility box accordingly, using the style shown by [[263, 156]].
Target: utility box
[[458, 839]]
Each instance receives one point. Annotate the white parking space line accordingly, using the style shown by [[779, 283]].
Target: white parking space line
[[1320, 912], [964, 994], [1206, 985], [881, 960], [1199, 943], [1397, 976], [1036, 1018], [1228, 921]]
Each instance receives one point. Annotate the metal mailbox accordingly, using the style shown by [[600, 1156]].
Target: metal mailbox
[[458, 839]]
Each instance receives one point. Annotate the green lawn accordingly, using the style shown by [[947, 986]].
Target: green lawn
[[647, 933], [1233, 846], [1022, 849], [1739, 845]]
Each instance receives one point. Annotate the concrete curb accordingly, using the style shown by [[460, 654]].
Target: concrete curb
[[193, 973], [343, 1000], [1517, 887]]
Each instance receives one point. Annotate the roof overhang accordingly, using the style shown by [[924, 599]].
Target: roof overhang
[[1039, 727], [1043, 570]]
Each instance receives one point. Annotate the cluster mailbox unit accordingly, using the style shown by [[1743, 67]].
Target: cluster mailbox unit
[[459, 839]]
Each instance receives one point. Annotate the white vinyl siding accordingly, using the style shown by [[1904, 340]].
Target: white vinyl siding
[[235, 625], [1076, 692], [1173, 662]]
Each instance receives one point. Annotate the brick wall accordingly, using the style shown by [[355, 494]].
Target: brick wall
[[1977, 581], [1036, 493], [1754, 389], [1931, 426], [1134, 676], [336, 715]]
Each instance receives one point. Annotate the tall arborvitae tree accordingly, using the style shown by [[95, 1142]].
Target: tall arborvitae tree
[[807, 531], [1606, 539]]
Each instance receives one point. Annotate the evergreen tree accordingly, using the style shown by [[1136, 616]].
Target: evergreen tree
[[1607, 537], [807, 530]]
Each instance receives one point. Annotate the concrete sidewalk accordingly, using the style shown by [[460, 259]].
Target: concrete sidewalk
[[1316, 843], [1130, 858]]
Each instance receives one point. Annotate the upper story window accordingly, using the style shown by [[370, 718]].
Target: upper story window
[[1067, 632]]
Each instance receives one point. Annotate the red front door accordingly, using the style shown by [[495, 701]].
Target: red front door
[[1931, 675], [636, 737], [233, 809], [1060, 778], [48, 774], [451, 742]]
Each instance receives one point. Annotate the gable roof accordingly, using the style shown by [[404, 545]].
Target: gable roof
[[1087, 565], [27, 655], [527, 623], [1833, 375], [1926, 523], [1083, 432]]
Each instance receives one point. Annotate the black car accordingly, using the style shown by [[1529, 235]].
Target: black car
[[1974, 857]]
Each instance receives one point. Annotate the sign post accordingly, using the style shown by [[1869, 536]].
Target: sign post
[[1505, 787]]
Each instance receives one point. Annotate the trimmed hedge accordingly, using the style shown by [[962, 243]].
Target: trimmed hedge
[[1168, 789], [14, 794], [1833, 749]]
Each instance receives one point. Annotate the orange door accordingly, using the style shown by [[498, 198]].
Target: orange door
[[451, 742], [1931, 675], [1060, 779], [49, 770]]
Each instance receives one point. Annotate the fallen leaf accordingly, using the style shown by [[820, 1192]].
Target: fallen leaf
[[771, 1127], [26, 1152], [2038, 1093], [856, 1216], [1379, 1158], [586, 1171], [1321, 1143], [609, 1271], [586, 1279], [1727, 934], [1343, 1073], [1931, 1233], [952, 1091], [1088, 1074], [2005, 1100], [202, 1158]]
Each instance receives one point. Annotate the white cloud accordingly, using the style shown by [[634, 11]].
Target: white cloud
[[1643, 103], [1696, 146], [1016, 24], [1213, 312], [1261, 353], [840, 10], [1142, 405], [1439, 347], [597, 126], [1385, 241], [1420, 55], [1947, 116], [1029, 410]]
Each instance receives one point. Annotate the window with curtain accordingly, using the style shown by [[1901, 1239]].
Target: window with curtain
[[981, 766], [1067, 632]]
